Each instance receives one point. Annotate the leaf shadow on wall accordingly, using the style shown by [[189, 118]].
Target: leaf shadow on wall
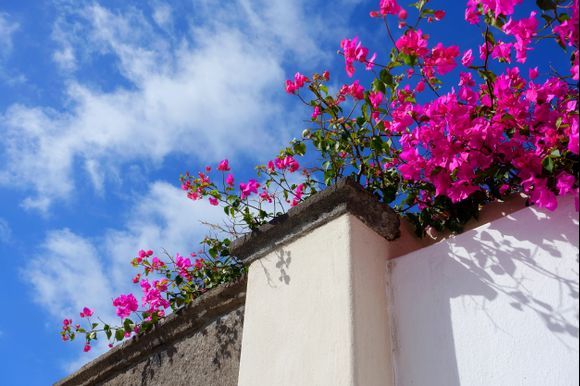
[[512, 261]]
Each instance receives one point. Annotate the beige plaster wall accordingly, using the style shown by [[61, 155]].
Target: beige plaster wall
[[316, 311]]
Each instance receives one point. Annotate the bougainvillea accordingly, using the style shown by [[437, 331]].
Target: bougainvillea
[[435, 149]]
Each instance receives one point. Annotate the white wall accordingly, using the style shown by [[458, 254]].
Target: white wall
[[497, 305], [316, 311]]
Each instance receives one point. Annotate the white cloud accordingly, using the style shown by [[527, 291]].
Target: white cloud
[[67, 275], [163, 15], [5, 231], [214, 92], [7, 28]]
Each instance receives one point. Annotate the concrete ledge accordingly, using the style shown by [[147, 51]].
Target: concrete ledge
[[347, 196], [178, 326]]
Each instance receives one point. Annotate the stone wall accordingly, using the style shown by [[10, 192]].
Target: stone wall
[[199, 346]]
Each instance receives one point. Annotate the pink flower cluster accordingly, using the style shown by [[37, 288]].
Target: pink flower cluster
[[125, 304], [284, 163], [389, 7], [496, 7], [86, 313], [354, 51], [154, 295], [249, 188], [413, 42], [355, 90], [454, 143], [299, 82], [523, 30]]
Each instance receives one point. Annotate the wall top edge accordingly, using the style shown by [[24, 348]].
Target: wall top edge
[[346, 196]]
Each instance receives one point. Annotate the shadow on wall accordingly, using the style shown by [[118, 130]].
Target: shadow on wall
[[525, 262], [507, 262], [283, 261]]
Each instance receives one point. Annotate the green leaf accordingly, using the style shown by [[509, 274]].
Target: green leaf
[[378, 86], [548, 164], [386, 77], [119, 334], [299, 148], [128, 325]]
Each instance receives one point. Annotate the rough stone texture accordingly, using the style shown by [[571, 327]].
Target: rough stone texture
[[347, 196], [199, 345]]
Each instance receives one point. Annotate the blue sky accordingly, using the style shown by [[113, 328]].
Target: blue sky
[[104, 103]]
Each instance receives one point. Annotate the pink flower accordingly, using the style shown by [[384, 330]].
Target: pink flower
[[420, 86], [471, 12], [298, 193], [153, 294], [389, 7], [467, 58], [87, 348], [86, 312], [500, 7], [224, 166], [353, 50], [287, 162], [533, 73], [575, 69], [183, 264], [544, 198], [403, 14], [523, 30], [316, 113], [413, 43], [157, 263], [502, 51], [568, 31], [126, 304], [265, 196], [249, 188], [291, 87], [376, 97], [230, 180], [565, 183], [198, 264], [213, 201], [299, 82], [443, 58], [439, 15], [355, 90]]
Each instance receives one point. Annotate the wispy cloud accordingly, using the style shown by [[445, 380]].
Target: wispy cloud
[[212, 91], [5, 231], [7, 29]]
